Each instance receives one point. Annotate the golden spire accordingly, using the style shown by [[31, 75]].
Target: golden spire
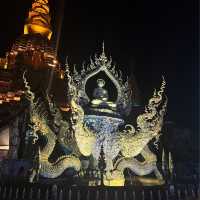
[[39, 19]]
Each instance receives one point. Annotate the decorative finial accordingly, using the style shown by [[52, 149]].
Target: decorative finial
[[103, 57], [38, 20]]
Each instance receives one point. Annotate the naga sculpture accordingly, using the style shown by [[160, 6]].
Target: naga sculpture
[[98, 122], [40, 128]]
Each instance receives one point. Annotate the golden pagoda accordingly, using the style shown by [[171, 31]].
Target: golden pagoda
[[39, 19], [32, 50], [35, 45]]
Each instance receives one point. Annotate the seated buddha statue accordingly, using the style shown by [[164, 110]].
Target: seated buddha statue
[[101, 97]]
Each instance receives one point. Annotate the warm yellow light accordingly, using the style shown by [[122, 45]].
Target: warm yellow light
[[55, 61], [10, 94], [65, 109], [6, 66], [114, 182], [51, 65], [17, 98], [4, 147], [35, 28], [150, 181], [62, 76], [39, 19], [85, 144]]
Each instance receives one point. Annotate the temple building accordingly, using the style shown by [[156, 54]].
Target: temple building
[[86, 139], [32, 51]]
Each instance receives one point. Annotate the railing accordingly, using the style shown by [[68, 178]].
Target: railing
[[62, 191]]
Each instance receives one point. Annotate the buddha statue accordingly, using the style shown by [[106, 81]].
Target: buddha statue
[[101, 97]]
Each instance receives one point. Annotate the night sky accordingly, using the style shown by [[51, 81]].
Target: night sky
[[146, 38]]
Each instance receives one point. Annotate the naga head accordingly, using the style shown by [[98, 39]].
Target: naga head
[[152, 119], [149, 125], [37, 117]]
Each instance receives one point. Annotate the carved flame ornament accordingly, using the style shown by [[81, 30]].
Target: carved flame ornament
[[103, 64]]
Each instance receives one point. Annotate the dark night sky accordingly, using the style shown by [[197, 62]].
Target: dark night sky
[[147, 38]]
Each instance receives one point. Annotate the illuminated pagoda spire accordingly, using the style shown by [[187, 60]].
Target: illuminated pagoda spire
[[39, 19], [35, 45], [33, 50]]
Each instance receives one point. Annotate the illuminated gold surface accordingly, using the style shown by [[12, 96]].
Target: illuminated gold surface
[[6, 66], [10, 96], [39, 19], [61, 74], [150, 181], [115, 178], [114, 182], [4, 147]]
